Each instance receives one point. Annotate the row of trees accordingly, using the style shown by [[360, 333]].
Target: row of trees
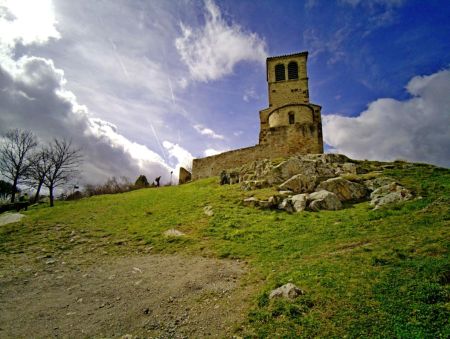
[[24, 162]]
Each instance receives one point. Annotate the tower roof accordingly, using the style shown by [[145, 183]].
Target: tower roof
[[304, 53]]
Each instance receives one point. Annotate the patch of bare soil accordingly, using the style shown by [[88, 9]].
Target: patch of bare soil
[[156, 296]]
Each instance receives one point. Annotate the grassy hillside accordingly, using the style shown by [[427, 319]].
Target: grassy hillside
[[383, 273]]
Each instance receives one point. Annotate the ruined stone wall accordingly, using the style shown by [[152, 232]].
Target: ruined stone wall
[[184, 176], [213, 165], [282, 142]]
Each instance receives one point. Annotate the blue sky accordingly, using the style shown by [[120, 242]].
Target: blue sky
[[145, 86]]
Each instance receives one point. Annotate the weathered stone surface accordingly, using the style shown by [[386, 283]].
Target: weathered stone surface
[[264, 204], [345, 190], [272, 202], [385, 189], [327, 158], [350, 168], [173, 233], [234, 177], [288, 291], [252, 201], [286, 205], [324, 200], [300, 183], [208, 211], [292, 166], [224, 177], [275, 200], [373, 184], [184, 176], [254, 184], [285, 193], [388, 194], [299, 202]]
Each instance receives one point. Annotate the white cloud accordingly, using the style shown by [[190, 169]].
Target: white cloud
[[27, 21], [140, 153], [208, 132], [34, 96], [416, 129], [211, 151], [250, 94], [183, 157], [212, 51]]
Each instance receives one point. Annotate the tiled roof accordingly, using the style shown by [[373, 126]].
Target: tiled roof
[[305, 53]]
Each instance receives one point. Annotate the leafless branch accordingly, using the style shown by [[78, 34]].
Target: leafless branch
[[15, 150]]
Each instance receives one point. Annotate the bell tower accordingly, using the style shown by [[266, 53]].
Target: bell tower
[[291, 121]]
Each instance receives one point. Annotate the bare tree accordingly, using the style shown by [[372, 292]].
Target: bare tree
[[64, 165], [14, 153], [40, 166]]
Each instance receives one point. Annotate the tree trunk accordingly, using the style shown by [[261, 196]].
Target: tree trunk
[[14, 189], [51, 195], [38, 190]]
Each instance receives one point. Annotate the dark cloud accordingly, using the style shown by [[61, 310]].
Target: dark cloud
[[33, 96]]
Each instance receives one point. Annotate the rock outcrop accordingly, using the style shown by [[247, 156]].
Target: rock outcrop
[[300, 183], [388, 194], [345, 190], [324, 200], [318, 182]]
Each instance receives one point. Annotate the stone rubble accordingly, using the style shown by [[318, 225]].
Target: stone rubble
[[316, 182]]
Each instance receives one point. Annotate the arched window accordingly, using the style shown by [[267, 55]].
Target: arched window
[[279, 72], [292, 70], [291, 118]]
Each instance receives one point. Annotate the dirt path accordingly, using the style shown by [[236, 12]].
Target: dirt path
[[147, 296]]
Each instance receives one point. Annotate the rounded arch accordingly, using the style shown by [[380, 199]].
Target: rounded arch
[[292, 70], [280, 72]]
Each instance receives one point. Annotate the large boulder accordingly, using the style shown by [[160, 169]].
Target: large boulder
[[345, 190], [324, 200], [327, 158], [296, 203], [300, 183], [286, 205], [388, 194], [290, 167], [373, 184], [252, 201], [288, 291], [323, 166], [299, 202]]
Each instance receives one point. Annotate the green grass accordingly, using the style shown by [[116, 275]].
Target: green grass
[[383, 273]]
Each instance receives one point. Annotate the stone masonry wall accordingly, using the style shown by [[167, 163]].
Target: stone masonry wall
[[213, 165], [284, 141]]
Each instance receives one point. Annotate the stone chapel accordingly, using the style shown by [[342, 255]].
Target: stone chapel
[[291, 124]]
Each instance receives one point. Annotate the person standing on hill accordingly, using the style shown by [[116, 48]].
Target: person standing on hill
[[157, 181]]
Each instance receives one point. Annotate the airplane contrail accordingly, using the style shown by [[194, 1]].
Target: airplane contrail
[[119, 59], [159, 143]]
